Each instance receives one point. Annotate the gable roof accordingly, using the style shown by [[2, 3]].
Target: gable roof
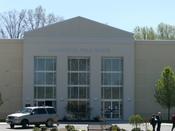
[[79, 27]]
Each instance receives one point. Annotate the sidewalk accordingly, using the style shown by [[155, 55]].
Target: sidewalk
[[127, 126]]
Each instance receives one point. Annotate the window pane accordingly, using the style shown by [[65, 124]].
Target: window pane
[[106, 65], [83, 65], [83, 78], [87, 64], [35, 92], [39, 78], [49, 92], [50, 78], [121, 93], [54, 64], [40, 92], [72, 106], [49, 64], [118, 78], [115, 106], [40, 64], [106, 78], [117, 64], [107, 106], [102, 93], [121, 109], [69, 64], [35, 63], [69, 92], [107, 93], [115, 93], [114, 79], [82, 106], [74, 64], [74, 78], [74, 92], [54, 92], [82, 92]]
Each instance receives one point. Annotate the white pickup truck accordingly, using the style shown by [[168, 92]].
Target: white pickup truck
[[33, 115]]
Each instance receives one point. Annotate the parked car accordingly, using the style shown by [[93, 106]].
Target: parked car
[[33, 115]]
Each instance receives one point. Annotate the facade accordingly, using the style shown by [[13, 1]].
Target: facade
[[83, 68], [11, 57]]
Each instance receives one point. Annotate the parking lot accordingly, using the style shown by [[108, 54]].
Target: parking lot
[[128, 127]]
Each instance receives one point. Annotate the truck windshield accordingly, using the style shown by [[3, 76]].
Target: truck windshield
[[26, 110]]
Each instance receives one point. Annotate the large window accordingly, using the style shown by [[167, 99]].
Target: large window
[[78, 86], [45, 80], [112, 87]]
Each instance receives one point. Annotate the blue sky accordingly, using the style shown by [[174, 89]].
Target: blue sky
[[123, 14]]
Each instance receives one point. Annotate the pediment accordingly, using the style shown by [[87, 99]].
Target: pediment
[[79, 27]]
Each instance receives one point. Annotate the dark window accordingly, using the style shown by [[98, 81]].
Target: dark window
[[51, 110], [39, 111], [27, 105]]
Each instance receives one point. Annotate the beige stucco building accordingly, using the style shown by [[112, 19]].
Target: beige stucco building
[[83, 68]]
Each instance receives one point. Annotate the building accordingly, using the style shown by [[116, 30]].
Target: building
[[83, 68]]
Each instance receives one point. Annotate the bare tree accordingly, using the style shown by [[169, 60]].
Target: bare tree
[[38, 18], [13, 24]]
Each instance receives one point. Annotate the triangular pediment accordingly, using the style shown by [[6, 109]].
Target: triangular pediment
[[79, 27]]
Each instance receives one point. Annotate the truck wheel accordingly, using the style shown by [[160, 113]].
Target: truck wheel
[[12, 126], [49, 123], [24, 123]]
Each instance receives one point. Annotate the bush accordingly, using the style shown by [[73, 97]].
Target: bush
[[136, 120], [136, 129], [36, 129], [2, 120], [54, 129], [44, 128], [70, 128], [116, 128]]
